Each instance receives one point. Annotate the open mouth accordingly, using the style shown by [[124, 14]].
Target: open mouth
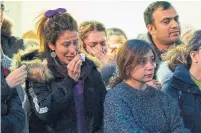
[[69, 57]]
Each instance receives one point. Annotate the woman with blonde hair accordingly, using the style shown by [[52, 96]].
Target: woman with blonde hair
[[185, 84], [92, 35]]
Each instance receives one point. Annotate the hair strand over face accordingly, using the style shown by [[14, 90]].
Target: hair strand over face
[[129, 55]]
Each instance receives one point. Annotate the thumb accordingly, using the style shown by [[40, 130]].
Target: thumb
[[23, 67]]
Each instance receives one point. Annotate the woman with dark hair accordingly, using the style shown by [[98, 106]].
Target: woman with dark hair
[[185, 84], [131, 106], [65, 90]]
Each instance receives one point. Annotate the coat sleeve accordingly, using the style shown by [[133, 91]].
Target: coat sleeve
[[48, 102], [5, 89], [118, 116], [6, 92], [15, 118]]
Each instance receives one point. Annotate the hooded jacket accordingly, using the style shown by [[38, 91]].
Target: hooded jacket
[[183, 88], [50, 92]]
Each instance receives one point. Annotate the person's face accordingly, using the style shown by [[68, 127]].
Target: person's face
[[114, 42], [66, 47], [144, 71], [165, 27], [95, 39]]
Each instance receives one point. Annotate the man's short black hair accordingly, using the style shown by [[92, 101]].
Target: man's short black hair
[[148, 18]]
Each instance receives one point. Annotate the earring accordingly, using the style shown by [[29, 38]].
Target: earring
[[53, 55]]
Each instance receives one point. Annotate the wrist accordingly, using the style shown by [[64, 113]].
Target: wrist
[[7, 83]]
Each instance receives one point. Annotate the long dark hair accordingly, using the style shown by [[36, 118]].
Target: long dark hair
[[129, 55]]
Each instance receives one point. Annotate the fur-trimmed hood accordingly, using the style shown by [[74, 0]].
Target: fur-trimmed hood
[[37, 69], [43, 69]]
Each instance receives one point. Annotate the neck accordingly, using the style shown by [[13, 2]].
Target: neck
[[136, 84], [163, 47], [195, 72]]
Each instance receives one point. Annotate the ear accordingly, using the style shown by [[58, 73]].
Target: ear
[[151, 29], [51, 46], [194, 57]]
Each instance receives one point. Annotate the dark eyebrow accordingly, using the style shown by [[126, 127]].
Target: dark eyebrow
[[177, 16], [167, 18], [152, 56], [66, 42]]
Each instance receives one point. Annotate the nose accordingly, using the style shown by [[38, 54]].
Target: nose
[[73, 49], [99, 46], [175, 24], [150, 65]]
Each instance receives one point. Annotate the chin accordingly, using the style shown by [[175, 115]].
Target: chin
[[150, 79], [66, 62], [175, 39]]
